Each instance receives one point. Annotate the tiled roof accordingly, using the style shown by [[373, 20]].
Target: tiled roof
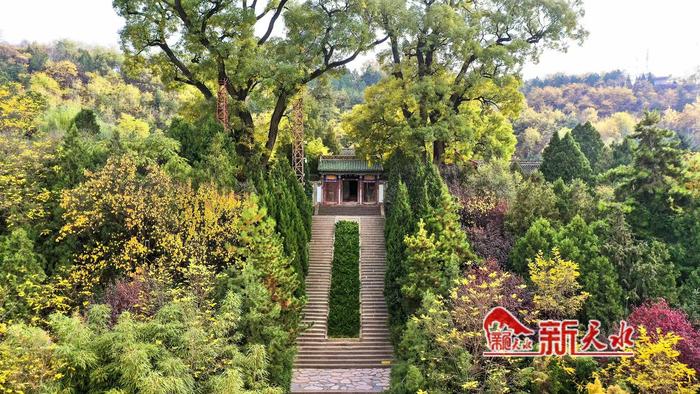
[[347, 164], [528, 166]]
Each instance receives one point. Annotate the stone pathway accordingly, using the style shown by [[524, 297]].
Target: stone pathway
[[369, 380], [358, 365]]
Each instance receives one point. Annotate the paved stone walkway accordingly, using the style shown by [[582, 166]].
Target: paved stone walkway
[[368, 380]]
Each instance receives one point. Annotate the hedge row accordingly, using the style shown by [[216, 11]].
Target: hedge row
[[344, 299]]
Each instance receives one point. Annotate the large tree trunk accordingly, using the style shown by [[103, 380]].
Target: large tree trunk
[[244, 136], [277, 113], [438, 152]]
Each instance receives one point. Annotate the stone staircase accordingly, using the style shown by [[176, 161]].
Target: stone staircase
[[349, 210], [373, 349]]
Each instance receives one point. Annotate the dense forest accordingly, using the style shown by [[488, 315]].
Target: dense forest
[[145, 247], [613, 102]]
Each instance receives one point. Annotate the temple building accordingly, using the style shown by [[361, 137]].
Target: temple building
[[348, 180]]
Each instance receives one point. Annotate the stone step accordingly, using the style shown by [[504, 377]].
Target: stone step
[[373, 349], [348, 364], [333, 345]]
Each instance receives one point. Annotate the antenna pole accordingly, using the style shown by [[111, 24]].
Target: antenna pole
[[222, 104], [298, 138]]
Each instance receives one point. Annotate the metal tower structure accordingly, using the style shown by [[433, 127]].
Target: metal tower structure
[[222, 104], [298, 138]]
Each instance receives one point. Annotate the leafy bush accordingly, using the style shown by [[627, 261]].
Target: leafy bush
[[344, 298], [130, 220], [430, 359], [27, 361], [441, 348], [21, 273], [659, 315], [181, 349], [557, 291], [654, 368], [487, 235]]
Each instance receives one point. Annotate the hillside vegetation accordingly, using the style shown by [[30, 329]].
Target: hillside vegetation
[[148, 247]]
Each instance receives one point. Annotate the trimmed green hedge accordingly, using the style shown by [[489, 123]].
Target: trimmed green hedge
[[344, 299]]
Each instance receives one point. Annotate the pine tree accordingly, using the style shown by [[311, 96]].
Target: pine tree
[[622, 153], [655, 186], [590, 143], [563, 158], [645, 268]]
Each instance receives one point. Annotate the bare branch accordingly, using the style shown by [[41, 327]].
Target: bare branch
[[339, 63], [271, 25], [191, 79]]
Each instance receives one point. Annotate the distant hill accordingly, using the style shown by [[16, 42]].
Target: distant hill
[[611, 101]]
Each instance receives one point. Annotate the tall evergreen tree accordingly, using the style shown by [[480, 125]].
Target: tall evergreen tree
[[86, 121], [590, 143], [399, 224], [622, 153], [645, 268], [534, 199], [654, 183], [539, 238], [563, 158], [578, 242]]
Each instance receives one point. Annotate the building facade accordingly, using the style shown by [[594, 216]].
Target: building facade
[[348, 180]]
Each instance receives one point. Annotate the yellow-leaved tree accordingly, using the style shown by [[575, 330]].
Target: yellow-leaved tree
[[557, 291], [654, 368], [19, 110], [127, 217]]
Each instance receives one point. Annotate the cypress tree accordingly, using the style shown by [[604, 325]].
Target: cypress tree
[[86, 121], [590, 143], [578, 242], [399, 224], [539, 238], [288, 205], [563, 158]]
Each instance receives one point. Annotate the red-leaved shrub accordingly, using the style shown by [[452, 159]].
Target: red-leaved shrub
[[123, 295], [659, 314], [484, 224]]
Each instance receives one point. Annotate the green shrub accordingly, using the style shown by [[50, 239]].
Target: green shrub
[[344, 300], [183, 348]]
